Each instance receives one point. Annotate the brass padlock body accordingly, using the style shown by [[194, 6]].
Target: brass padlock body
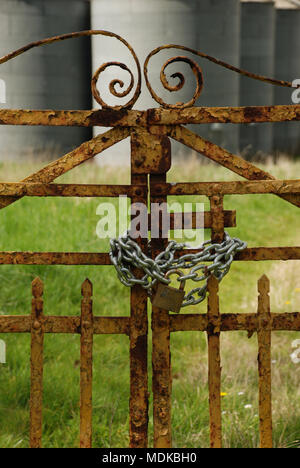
[[168, 298]]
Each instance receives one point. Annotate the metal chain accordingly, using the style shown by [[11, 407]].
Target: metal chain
[[125, 253]]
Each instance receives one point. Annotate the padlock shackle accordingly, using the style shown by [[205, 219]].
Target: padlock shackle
[[176, 272]]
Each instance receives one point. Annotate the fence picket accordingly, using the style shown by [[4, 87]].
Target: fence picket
[[139, 397], [214, 366], [264, 362], [161, 355], [162, 379], [37, 347], [86, 365]]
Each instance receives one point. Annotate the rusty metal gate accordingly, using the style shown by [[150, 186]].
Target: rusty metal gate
[[150, 132]]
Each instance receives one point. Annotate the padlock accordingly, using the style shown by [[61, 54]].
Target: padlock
[[167, 297]]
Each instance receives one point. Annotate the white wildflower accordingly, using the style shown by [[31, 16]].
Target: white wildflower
[[295, 356], [295, 344]]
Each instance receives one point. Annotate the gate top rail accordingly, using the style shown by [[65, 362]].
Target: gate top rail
[[150, 117]]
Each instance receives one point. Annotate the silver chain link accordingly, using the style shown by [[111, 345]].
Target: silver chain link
[[125, 254]]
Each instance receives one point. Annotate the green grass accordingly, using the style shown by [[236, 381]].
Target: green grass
[[69, 225]]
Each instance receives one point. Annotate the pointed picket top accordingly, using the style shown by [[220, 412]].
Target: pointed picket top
[[37, 286], [87, 288], [263, 285]]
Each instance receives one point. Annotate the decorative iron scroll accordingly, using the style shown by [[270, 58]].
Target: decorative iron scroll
[[120, 94], [198, 74], [112, 84]]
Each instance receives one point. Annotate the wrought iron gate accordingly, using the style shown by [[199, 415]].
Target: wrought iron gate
[[150, 132]]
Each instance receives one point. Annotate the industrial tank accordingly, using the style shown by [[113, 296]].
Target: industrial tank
[[287, 67], [218, 34], [54, 76], [145, 24], [257, 55]]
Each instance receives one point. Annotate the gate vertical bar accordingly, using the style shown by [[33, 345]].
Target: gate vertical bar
[[86, 365], [264, 362], [161, 356], [139, 396], [213, 333], [37, 347], [214, 366], [217, 218]]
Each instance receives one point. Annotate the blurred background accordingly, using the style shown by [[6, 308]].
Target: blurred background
[[260, 36]]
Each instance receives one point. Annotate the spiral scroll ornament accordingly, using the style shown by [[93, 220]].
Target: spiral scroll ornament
[[197, 73], [112, 86], [113, 83]]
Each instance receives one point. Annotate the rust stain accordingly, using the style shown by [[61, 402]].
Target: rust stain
[[32, 189], [214, 189], [161, 354], [234, 115], [214, 329], [149, 154], [54, 258], [156, 117], [37, 350], [86, 365], [252, 113], [139, 396], [264, 362], [214, 363]]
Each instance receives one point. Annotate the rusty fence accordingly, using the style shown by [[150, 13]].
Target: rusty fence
[[150, 132]]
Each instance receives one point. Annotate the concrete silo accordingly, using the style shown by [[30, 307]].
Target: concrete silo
[[218, 34], [257, 55], [54, 76], [287, 67], [145, 24]]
